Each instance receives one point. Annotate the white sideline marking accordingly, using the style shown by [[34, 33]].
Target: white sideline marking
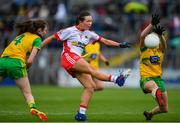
[[63, 113]]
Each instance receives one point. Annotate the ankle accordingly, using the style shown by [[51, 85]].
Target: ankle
[[82, 109], [32, 104], [113, 78]]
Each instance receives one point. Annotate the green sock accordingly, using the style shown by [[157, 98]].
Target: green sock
[[32, 105]]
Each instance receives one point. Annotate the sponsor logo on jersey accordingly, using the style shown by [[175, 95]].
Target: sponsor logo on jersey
[[78, 44]]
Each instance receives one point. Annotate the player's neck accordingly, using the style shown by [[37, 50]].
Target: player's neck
[[79, 27]]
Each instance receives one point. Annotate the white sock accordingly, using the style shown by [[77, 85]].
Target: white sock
[[113, 78], [153, 93], [82, 109]]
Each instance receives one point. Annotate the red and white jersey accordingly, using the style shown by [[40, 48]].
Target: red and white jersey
[[75, 40]]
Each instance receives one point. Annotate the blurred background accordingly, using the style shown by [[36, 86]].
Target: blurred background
[[120, 20]]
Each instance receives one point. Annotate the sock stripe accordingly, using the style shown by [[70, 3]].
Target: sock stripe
[[83, 106], [110, 77]]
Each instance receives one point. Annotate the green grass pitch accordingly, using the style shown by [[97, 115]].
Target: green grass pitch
[[61, 104]]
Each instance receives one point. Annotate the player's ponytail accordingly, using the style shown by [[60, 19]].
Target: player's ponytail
[[30, 26]]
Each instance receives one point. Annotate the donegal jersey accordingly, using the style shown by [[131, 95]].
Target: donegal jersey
[[75, 40], [92, 52], [151, 62], [22, 45]]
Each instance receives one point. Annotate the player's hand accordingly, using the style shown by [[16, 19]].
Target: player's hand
[[28, 66], [155, 19], [159, 30], [107, 63], [125, 45]]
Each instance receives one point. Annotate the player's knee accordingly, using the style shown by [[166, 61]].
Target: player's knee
[[90, 89], [165, 110], [150, 86], [91, 71]]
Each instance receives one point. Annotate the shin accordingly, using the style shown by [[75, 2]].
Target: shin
[[23, 84]]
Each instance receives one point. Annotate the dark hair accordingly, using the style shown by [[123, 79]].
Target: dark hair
[[30, 26], [82, 16]]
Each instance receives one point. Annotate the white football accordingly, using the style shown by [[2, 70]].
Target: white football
[[151, 40]]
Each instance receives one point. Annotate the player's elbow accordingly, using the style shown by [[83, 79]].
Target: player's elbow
[[142, 35]]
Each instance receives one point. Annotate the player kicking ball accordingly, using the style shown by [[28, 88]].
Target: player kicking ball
[[152, 48], [74, 40]]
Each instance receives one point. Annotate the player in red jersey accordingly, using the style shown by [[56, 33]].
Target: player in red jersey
[[74, 40]]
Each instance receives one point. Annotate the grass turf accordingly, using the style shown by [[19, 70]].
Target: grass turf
[[61, 104]]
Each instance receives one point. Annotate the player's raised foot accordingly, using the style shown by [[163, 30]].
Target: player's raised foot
[[148, 115], [159, 98], [38, 113], [122, 77], [80, 117]]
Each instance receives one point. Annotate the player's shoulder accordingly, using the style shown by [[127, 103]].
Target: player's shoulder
[[67, 29], [91, 33], [30, 35], [71, 28]]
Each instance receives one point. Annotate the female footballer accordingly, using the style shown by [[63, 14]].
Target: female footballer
[[151, 68], [74, 40], [14, 61]]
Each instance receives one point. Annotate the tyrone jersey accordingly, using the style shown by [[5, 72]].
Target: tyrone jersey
[[151, 62], [75, 40], [22, 45]]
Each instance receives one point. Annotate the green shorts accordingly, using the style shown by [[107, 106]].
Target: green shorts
[[158, 80], [12, 67]]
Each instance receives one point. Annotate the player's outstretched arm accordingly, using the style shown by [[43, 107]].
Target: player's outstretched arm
[[115, 44], [159, 30], [144, 33], [48, 40], [154, 21]]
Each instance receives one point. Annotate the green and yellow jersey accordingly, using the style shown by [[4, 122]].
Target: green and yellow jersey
[[92, 52], [22, 45], [151, 62]]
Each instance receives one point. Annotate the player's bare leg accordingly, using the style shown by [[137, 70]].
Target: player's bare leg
[[162, 101], [23, 84], [99, 84], [158, 109], [83, 66], [89, 86]]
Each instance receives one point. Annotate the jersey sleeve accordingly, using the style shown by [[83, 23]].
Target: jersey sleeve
[[62, 34], [37, 43], [94, 37]]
